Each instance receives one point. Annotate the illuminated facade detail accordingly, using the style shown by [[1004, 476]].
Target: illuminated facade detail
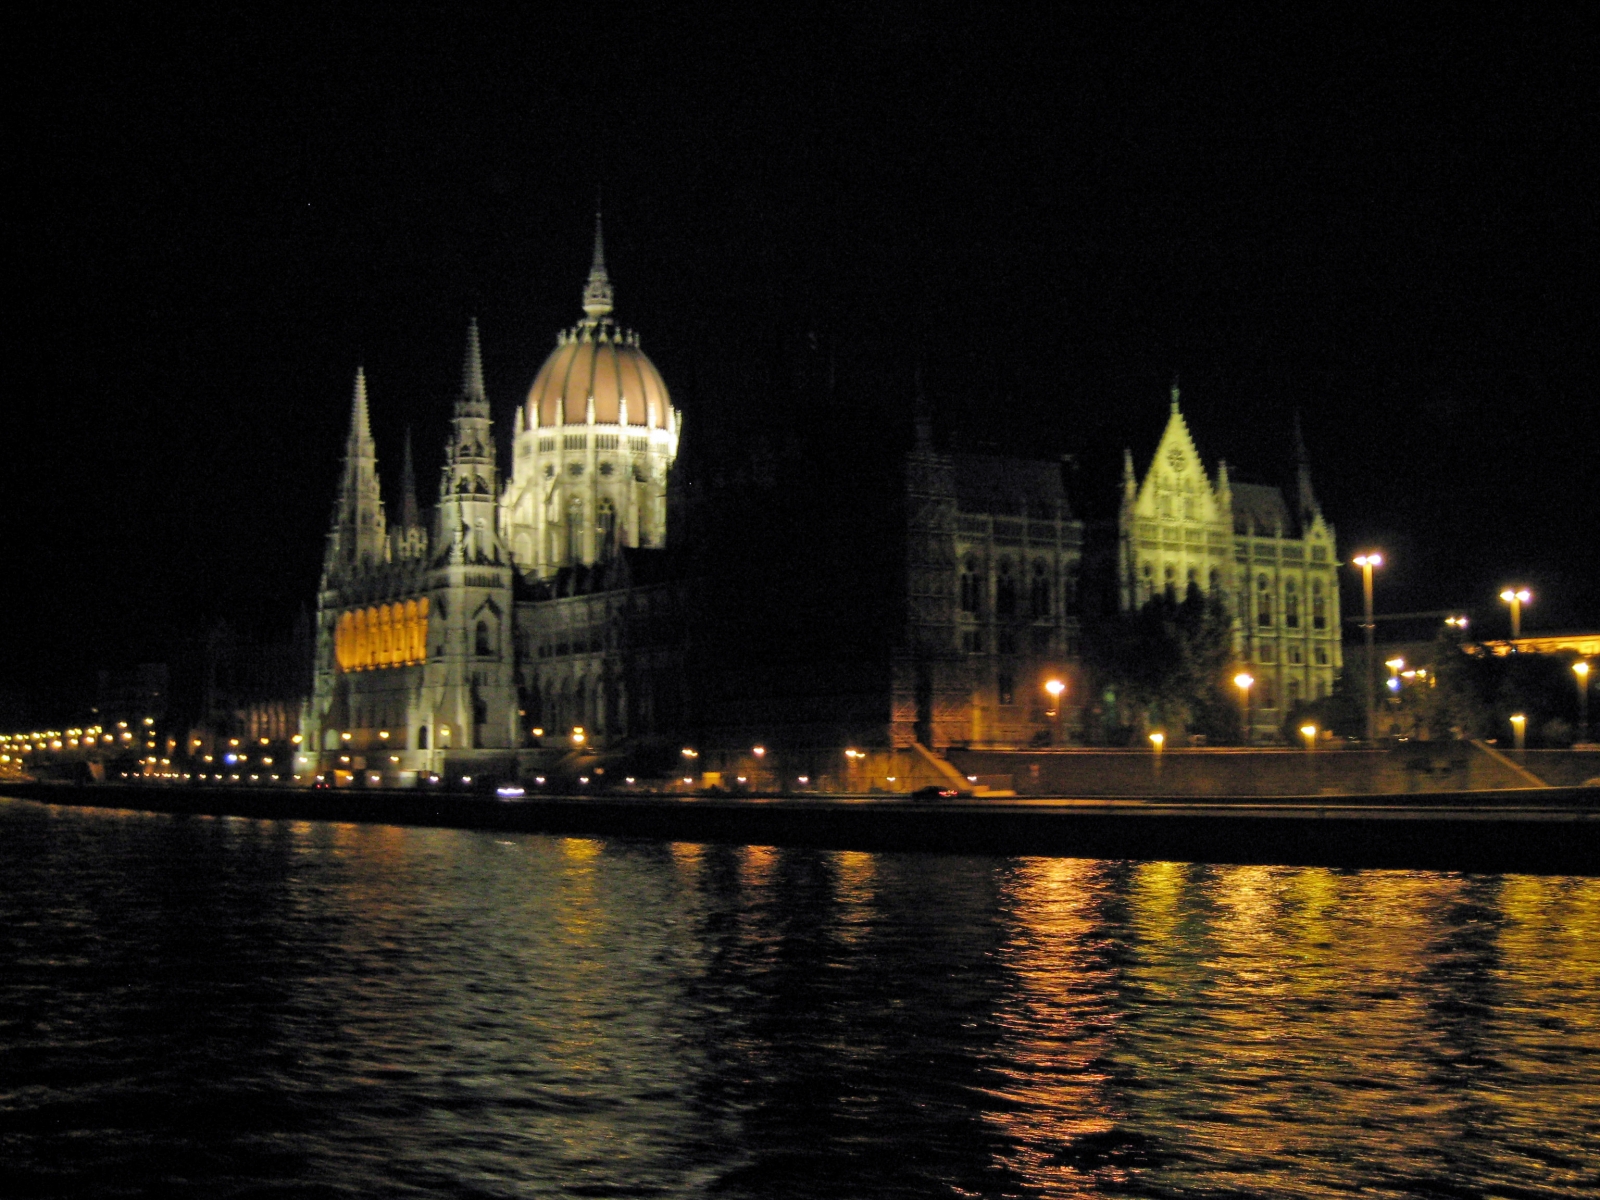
[[390, 635], [1246, 544]]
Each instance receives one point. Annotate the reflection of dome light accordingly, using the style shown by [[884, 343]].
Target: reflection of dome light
[[600, 361]]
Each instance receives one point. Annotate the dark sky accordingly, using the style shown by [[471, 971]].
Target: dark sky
[[1383, 220]]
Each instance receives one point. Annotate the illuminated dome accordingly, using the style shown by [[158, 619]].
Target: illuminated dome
[[598, 360]]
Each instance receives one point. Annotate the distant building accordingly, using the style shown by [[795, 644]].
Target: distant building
[[1273, 563]]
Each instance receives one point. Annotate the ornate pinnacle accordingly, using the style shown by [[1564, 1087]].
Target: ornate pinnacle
[[472, 370]]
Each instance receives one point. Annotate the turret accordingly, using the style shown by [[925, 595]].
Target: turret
[[467, 525]]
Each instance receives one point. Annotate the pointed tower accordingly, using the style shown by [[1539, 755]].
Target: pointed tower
[[468, 696], [467, 528], [356, 535], [409, 518], [408, 537]]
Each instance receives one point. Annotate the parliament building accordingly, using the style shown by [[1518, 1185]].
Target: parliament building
[[572, 604]]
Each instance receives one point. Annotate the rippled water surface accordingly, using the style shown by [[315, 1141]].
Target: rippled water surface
[[223, 1007]]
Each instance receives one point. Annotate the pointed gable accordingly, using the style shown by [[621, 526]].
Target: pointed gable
[[1176, 472]]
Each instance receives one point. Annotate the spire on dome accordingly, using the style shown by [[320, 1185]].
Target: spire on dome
[[1174, 391], [598, 296]]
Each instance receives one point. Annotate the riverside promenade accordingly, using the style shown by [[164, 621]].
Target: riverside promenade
[[1541, 831]]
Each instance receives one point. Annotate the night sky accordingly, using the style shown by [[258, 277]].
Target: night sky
[[1384, 220]]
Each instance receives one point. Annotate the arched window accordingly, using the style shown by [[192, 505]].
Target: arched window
[[1291, 604], [1170, 581], [574, 548], [1039, 591], [606, 528], [1007, 689], [483, 642], [422, 737], [1005, 590], [1319, 606], [1263, 600], [1216, 580], [969, 586]]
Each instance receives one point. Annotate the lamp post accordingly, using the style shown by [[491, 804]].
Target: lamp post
[[1242, 681], [1516, 597], [1366, 562], [1519, 731], [1309, 732], [1581, 670], [1055, 687]]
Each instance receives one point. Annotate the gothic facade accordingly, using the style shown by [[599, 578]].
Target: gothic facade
[[440, 645], [1273, 564]]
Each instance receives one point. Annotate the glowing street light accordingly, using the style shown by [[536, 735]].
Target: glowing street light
[[1158, 740], [1242, 681], [1519, 730], [1395, 666], [1366, 562], [578, 735], [1581, 670], [1055, 687], [1516, 597], [1309, 732]]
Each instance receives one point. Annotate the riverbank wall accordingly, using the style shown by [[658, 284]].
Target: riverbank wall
[[1553, 831]]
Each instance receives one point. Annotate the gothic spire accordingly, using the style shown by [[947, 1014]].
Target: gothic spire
[[360, 420], [1174, 391], [357, 533], [1302, 469], [598, 296], [472, 370], [409, 518]]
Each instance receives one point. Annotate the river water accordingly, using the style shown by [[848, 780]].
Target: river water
[[221, 1007]]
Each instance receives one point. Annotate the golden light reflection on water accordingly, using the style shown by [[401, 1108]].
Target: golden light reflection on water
[[1268, 1024], [453, 1011]]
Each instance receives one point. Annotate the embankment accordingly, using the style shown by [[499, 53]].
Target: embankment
[[1555, 831]]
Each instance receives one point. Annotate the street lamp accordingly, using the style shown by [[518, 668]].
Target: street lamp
[[1309, 732], [1242, 681], [1158, 740], [1516, 597], [1519, 730], [1366, 562], [1055, 687], [1581, 670]]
